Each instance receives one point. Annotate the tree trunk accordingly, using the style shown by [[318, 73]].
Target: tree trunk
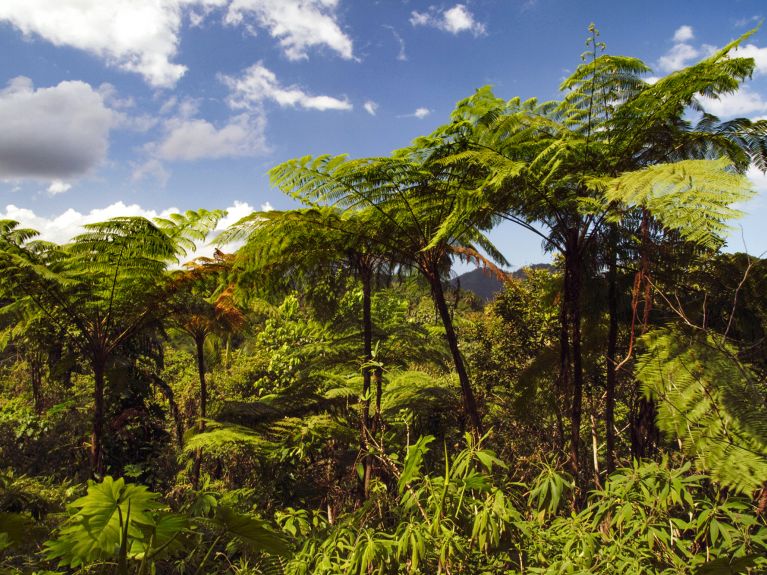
[[612, 345], [174, 412], [376, 427], [97, 437], [573, 296], [469, 403], [199, 341], [367, 337], [644, 432]]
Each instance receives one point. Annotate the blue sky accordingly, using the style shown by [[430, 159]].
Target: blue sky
[[141, 106]]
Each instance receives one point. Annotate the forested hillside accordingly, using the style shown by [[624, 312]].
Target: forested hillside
[[325, 399]]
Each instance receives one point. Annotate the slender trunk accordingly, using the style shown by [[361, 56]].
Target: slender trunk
[[612, 345], [367, 337], [563, 381], [199, 341], [174, 411], [644, 432], [97, 437], [200, 346], [469, 403], [376, 427], [573, 278]]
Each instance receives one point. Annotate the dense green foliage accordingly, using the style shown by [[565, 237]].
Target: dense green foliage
[[325, 400]]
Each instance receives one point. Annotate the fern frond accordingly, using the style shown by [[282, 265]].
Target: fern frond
[[716, 405]]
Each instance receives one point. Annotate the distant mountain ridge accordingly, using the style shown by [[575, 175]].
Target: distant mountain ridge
[[484, 284]]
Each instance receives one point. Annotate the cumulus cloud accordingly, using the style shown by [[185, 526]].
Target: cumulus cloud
[[683, 34], [758, 179], [234, 214], [143, 36], [296, 24], [135, 35], [258, 84], [370, 107], [682, 53], [678, 57], [59, 132], [758, 54], [744, 102], [454, 20], [421, 113], [195, 139]]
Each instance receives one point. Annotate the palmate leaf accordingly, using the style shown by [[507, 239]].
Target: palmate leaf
[[95, 530], [711, 401], [694, 197]]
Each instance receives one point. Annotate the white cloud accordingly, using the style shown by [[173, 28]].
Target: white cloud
[[296, 24], [58, 187], [52, 133], [421, 113], [135, 35], [678, 57], [234, 214], [683, 34], [682, 52], [195, 139], [758, 54], [143, 36], [266, 207], [758, 179], [370, 107], [454, 20], [744, 102], [258, 84]]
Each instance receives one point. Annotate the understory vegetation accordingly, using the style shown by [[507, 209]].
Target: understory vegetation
[[328, 399]]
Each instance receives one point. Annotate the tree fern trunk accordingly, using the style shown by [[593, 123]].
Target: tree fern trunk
[[97, 437], [367, 336], [199, 341], [469, 403], [644, 432], [577, 399], [612, 345]]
